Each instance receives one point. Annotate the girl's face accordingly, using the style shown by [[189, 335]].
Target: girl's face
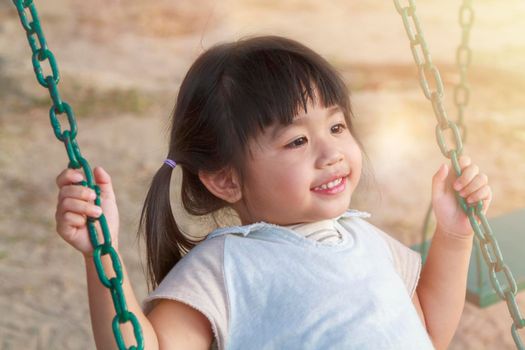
[[303, 172]]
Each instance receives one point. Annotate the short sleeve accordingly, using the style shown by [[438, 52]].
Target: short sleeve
[[198, 281], [407, 262]]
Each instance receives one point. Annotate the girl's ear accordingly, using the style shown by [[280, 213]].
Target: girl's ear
[[223, 184]]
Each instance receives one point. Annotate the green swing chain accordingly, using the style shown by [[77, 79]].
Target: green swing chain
[[461, 99], [463, 59], [487, 242], [41, 52]]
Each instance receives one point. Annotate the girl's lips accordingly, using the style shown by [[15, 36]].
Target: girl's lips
[[334, 190]]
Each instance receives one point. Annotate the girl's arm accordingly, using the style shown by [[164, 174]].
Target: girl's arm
[[443, 283], [102, 310], [442, 286], [170, 325]]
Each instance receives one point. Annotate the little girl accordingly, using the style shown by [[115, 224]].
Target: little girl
[[263, 126]]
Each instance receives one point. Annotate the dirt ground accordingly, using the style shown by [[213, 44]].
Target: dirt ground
[[121, 64]]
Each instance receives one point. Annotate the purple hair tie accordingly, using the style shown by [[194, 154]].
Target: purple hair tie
[[170, 162]]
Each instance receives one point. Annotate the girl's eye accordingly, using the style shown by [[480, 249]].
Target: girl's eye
[[297, 142], [338, 128]]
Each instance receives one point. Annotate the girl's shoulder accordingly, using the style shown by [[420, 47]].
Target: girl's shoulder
[[243, 230], [197, 280]]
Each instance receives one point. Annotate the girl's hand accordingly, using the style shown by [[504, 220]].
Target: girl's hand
[[471, 185], [76, 203]]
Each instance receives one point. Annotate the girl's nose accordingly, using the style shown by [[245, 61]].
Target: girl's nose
[[328, 156]]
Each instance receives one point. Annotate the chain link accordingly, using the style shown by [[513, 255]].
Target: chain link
[[442, 142], [483, 233], [463, 59], [40, 53], [461, 95]]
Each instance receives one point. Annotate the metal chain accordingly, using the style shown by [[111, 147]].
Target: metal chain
[[41, 53], [463, 60], [461, 96], [462, 91], [487, 241]]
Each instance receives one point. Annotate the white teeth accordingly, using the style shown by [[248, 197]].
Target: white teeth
[[331, 184]]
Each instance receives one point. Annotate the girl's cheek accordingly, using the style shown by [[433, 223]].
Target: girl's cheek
[[293, 159]]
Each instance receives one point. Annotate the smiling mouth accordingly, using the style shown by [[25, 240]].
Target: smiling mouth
[[329, 185], [332, 187]]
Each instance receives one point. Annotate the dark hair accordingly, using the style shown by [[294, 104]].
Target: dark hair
[[229, 95]]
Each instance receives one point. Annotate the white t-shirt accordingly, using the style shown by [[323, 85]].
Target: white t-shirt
[[200, 281]]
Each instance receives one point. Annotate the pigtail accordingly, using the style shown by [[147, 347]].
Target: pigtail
[[165, 242]]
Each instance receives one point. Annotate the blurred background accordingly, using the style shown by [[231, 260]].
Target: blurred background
[[121, 64]]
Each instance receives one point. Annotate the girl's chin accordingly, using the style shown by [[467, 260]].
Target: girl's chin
[[332, 212]]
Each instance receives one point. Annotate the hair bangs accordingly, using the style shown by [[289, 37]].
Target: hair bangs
[[271, 85]]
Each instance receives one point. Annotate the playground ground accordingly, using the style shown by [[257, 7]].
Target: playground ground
[[121, 63]]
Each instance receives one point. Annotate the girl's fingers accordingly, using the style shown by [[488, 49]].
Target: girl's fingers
[[468, 173], [73, 219], [464, 161], [483, 193], [78, 207], [69, 223], [68, 177], [477, 182], [486, 202], [77, 192]]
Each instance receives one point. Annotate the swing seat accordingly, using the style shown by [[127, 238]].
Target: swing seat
[[508, 230]]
